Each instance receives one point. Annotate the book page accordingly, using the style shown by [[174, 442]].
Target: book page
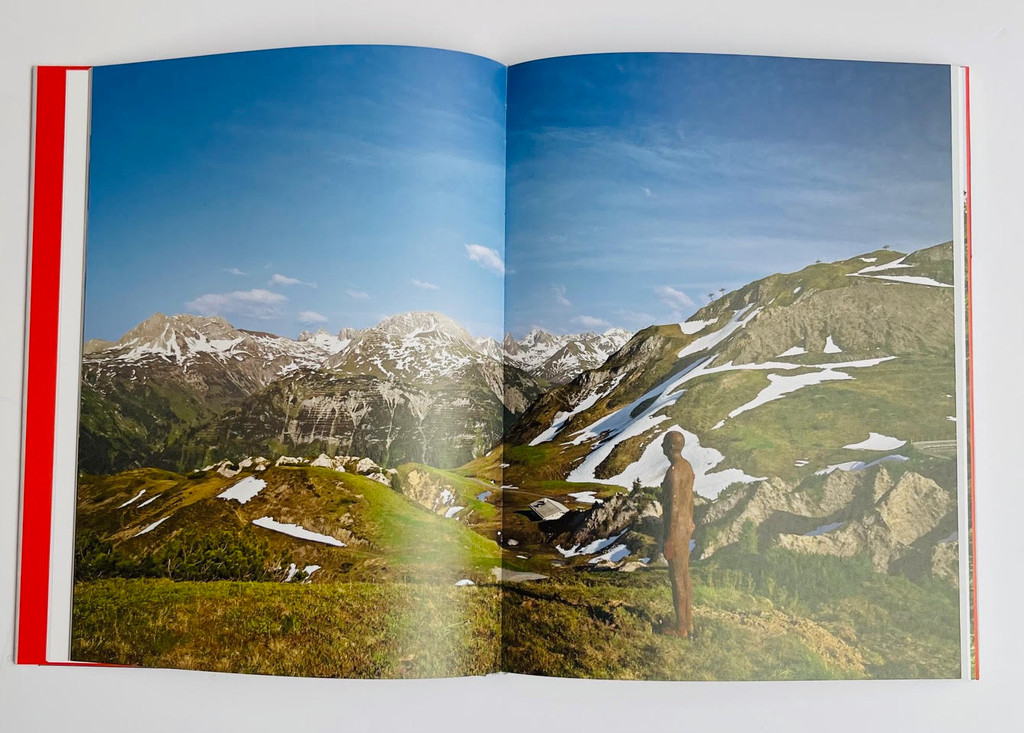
[[292, 305], [740, 281]]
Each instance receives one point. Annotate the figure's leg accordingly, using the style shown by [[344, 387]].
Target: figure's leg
[[676, 572], [685, 602]]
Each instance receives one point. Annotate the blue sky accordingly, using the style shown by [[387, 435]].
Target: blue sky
[[640, 182], [319, 187]]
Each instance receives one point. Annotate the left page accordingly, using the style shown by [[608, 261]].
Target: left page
[[293, 283]]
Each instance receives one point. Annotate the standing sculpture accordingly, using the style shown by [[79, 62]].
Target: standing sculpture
[[677, 519]]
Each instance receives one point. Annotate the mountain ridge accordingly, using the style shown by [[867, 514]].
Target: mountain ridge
[[833, 369], [175, 379], [558, 359]]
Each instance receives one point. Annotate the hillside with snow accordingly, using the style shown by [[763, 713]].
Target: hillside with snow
[[785, 388]]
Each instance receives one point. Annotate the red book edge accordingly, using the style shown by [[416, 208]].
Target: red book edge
[[47, 193], [970, 377]]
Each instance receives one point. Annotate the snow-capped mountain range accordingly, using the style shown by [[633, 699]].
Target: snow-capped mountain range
[[177, 379], [190, 342], [558, 359], [416, 346]]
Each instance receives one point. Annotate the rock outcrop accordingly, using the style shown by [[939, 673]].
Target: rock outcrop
[[617, 514], [887, 530]]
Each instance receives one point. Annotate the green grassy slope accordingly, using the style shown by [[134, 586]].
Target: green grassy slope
[[779, 616], [386, 534], [368, 630]]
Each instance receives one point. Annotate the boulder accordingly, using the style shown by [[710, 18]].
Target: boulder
[[914, 507]]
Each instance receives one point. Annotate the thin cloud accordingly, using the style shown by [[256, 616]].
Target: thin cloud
[[358, 294], [424, 285], [674, 298], [279, 279], [591, 322], [312, 317], [560, 296], [256, 303], [636, 317], [234, 271], [486, 257]]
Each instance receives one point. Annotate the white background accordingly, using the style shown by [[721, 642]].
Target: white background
[[985, 35]]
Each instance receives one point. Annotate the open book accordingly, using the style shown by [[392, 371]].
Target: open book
[[373, 361]]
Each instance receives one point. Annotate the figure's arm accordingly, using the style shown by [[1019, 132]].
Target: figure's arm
[[685, 504], [666, 516]]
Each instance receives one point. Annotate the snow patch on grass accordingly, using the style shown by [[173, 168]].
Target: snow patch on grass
[[782, 384], [589, 549], [823, 529], [615, 554], [561, 418], [830, 346], [151, 527], [244, 490], [133, 499], [891, 265], [913, 280], [779, 385], [714, 338], [293, 571], [691, 327], [294, 530], [877, 441], [858, 465]]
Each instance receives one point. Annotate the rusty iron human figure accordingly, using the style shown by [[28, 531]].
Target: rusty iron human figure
[[677, 519]]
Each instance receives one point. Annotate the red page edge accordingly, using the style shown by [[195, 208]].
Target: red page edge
[[40, 379], [970, 376]]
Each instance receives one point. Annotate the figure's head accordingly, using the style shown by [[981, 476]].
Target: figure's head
[[673, 444]]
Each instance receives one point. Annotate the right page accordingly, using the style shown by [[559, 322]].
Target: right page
[[741, 280]]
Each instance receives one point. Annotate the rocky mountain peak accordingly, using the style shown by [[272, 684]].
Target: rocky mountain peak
[[559, 358], [424, 324], [161, 329], [324, 341], [619, 334], [538, 337]]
